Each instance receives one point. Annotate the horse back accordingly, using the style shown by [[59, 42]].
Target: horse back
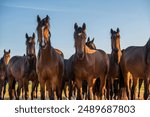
[[16, 66], [59, 52]]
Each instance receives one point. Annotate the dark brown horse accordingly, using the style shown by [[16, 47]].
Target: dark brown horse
[[21, 69], [50, 63], [69, 77], [88, 64], [3, 65], [96, 89], [115, 75], [135, 64], [114, 84]]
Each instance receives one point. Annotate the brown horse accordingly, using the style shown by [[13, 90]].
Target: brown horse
[[88, 64], [115, 72], [50, 63], [3, 64], [96, 89], [21, 69], [115, 75], [69, 77], [135, 64]]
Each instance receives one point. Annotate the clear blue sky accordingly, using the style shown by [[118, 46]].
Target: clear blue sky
[[18, 17]]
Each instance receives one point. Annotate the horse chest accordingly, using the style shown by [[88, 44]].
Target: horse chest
[[84, 70]]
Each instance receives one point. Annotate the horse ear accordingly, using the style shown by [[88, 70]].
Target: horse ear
[[88, 39], [118, 30], [27, 36], [47, 17], [33, 35], [38, 18], [84, 26], [4, 51], [111, 31], [9, 51], [75, 26], [92, 40]]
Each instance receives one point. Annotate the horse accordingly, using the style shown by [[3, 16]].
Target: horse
[[115, 76], [21, 69], [112, 88], [69, 77], [135, 64], [88, 64], [3, 65], [50, 62]]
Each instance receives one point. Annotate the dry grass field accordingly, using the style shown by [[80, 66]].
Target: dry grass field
[[30, 86]]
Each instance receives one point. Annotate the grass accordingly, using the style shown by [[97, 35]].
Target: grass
[[38, 94]]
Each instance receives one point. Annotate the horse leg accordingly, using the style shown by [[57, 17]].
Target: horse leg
[[66, 91], [26, 88], [134, 88], [10, 82], [79, 89], [1, 86], [112, 88], [90, 90], [116, 89], [64, 87], [108, 86], [70, 89], [140, 84], [146, 88], [34, 89], [42, 84], [4, 88], [49, 88], [102, 86], [59, 91], [127, 85], [20, 86]]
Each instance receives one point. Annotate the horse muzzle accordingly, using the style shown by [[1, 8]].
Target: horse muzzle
[[80, 56]]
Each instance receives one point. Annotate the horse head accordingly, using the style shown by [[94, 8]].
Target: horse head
[[115, 39], [90, 43], [30, 44], [115, 44], [43, 30], [80, 40], [6, 56]]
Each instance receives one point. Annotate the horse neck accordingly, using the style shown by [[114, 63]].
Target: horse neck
[[46, 53], [117, 55], [4, 61], [118, 44]]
